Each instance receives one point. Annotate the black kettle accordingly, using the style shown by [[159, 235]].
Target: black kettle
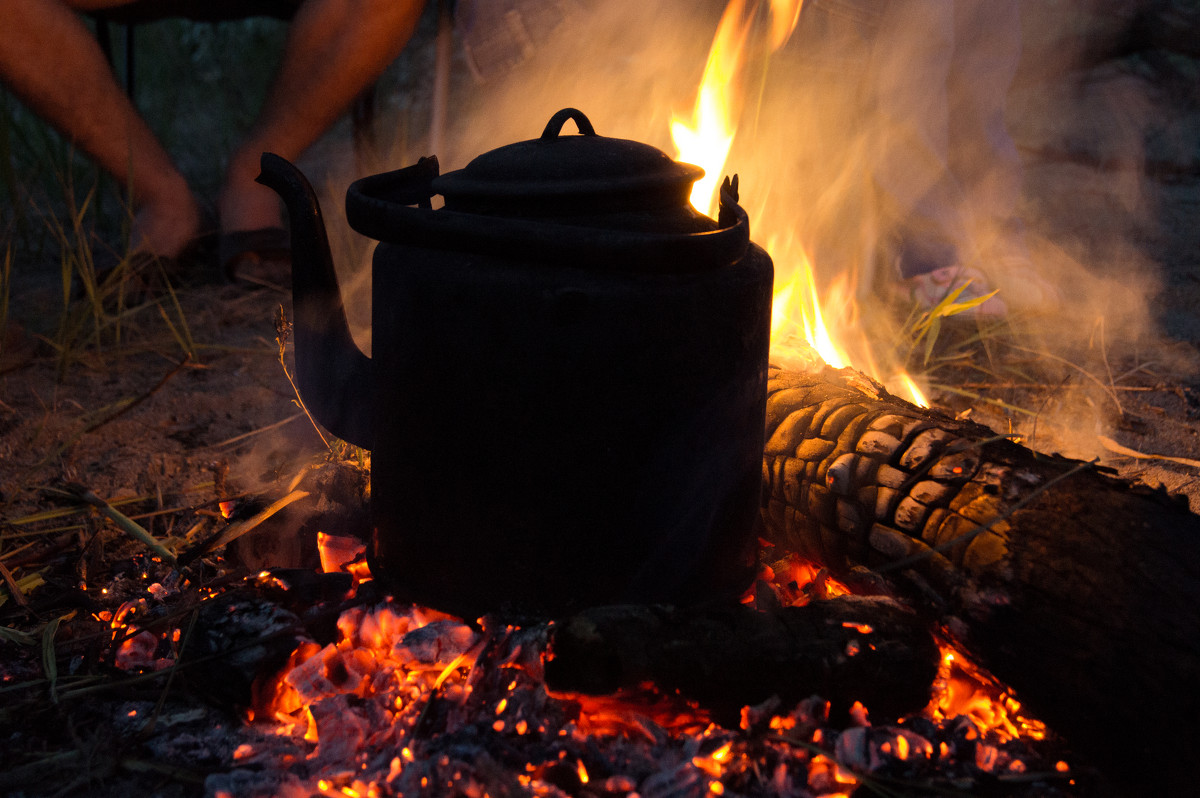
[[565, 403]]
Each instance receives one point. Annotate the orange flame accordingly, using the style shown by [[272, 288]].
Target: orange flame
[[706, 141]]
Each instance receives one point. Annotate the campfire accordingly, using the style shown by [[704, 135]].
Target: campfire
[[404, 700], [410, 701], [927, 608]]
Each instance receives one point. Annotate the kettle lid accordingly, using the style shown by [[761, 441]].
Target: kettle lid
[[559, 175]]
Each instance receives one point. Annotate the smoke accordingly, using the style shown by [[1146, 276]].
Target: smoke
[[879, 125], [883, 135], [626, 65]]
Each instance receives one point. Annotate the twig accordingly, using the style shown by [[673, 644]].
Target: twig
[[239, 528], [1106, 388], [977, 398], [239, 438], [282, 326], [49, 656], [132, 528], [122, 407], [1116, 448], [14, 589], [65, 512], [148, 728], [1107, 367], [138, 400], [1042, 386], [68, 761]]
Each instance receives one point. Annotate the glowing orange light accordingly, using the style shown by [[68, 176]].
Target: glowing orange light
[[706, 140], [337, 550], [968, 690], [916, 395], [310, 733], [822, 764], [583, 774], [449, 669], [783, 723]]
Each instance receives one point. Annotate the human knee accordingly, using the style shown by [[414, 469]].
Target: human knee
[[380, 14]]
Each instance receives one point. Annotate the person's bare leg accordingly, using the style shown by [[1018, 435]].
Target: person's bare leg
[[50, 60], [335, 48]]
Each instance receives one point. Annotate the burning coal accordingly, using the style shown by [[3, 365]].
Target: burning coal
[[406, 701]]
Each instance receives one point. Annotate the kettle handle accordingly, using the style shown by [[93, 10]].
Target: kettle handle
[[554, 126], [382, 207]]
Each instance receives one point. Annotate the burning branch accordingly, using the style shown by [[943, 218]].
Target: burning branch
[[1044, 568]]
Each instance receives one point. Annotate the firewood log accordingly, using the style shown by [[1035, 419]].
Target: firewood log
[[1078, 589], [725, 656]]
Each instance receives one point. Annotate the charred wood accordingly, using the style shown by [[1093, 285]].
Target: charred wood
[[726, 656], [235, 640], [1080, 590]]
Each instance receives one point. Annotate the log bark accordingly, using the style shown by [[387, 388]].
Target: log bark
[[726, 656], [1079, 590]]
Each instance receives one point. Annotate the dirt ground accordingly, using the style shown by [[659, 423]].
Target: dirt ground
[[189, 416]]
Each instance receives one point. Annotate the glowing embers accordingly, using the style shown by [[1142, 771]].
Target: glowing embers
[[410, 701], [797, 581], [964, 690], [346, 554]]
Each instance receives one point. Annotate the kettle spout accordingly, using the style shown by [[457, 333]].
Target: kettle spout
[[333, 376]]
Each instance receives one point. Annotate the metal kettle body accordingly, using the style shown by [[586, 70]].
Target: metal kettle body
[[560, 414]]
